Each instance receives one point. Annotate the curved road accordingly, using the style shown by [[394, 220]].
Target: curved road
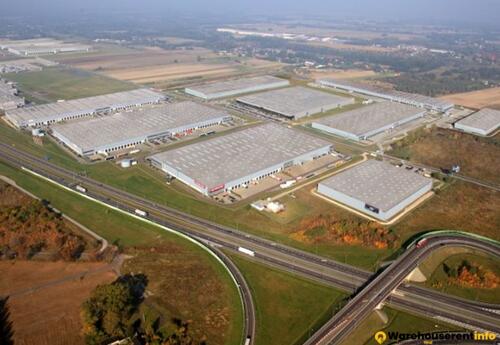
[[423, 301], [379, 289]]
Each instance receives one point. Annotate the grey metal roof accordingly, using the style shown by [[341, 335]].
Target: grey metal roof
[[143, 122], [377, 183], [485, 119], [370, 118], [236, 84], [294, 101], [54, 110], [236, 155], [411, 97]]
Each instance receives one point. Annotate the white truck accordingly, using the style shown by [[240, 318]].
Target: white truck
[[141, 212], [246, 251], [81, 189]]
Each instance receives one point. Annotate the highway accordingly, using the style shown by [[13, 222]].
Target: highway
[[418, 300], [380, 288]]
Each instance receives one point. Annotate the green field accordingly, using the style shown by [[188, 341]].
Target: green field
[[398, 322], [439, 279], [288, 308], [55, 83], [134, 235]]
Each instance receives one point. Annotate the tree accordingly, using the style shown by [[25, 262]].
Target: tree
[[107, 313], [6, 332]]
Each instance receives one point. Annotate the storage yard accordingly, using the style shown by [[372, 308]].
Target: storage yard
[[240, 158], [9, 98], [429, 103], [376, 188], [236, 87], [42, 46], [484, 122], [295, 102], [363, 123], [45, 114], [105, 134]]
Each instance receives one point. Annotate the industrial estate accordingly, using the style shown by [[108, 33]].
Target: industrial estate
[[320, 177]]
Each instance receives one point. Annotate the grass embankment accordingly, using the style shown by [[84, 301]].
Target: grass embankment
[[445, 272], [55, 83], [288, 308], [398, 322], [212, 303]]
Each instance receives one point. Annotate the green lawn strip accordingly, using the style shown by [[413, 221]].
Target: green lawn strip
[[288, 307], [124, 230]]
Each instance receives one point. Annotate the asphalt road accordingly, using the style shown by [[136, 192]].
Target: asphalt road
[[418, 300], [379, 289]]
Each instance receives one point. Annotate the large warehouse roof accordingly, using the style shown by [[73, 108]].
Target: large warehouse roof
[[53, 111], [484, 121], [239, 154], [403, 97], [377, 183], [295, 102], [236, 86], [366, 120], [137, 123]]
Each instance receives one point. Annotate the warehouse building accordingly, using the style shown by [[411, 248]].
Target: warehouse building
[[360, 124], [237, 159], [236, 87], [429, 103], [376, 188], [9, 98], [295, 102], [47, 114], [127, 129], [484, 122], [41, 46]]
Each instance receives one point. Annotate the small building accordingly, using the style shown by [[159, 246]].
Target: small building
[[295, 102], [484, 122], [236, 87], [365, 122], [237, 159], [376, 188]]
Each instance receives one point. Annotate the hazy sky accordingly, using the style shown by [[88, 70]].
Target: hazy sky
[[426, 10]]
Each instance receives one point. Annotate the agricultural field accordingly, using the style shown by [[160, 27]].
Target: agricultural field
[[288, 308], [52, 289], [477, 99], [442, 148], [140, 240], [159, 67], [56, 83]]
